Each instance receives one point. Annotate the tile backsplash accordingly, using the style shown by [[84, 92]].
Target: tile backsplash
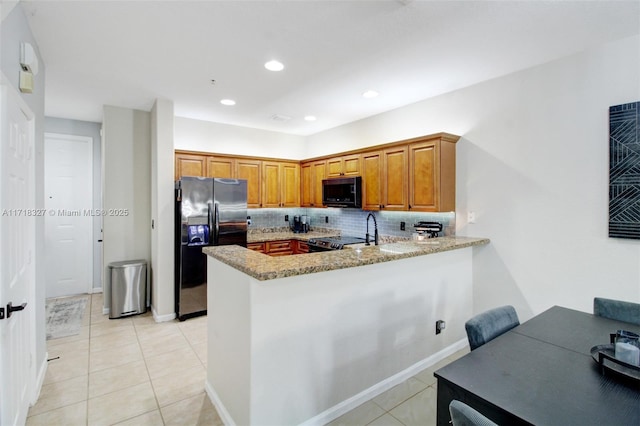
[[352, 221]]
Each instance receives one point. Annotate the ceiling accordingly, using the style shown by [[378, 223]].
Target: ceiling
[[130, 53]]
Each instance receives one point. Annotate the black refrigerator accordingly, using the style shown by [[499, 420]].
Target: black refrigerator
[[209, 212]]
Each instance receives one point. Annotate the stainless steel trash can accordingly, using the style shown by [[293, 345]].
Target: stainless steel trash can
[[128, 284]]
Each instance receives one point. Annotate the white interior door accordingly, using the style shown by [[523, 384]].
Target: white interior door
[[68, 202], [17, 248]]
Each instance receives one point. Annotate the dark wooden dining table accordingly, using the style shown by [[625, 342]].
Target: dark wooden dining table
[[542, 373]]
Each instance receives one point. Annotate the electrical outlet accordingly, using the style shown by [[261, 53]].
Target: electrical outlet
[[440, 325], [471, 217], [326, 219], [286, 218], [402, 226]]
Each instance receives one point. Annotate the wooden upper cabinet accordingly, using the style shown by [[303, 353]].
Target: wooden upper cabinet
[[347, 165], [221, 167], [280, 184], [251, 170], [432, 176], [270, 184], [190, 165], [306, 187], [290, 185], [384, 175], [395, 188], [413, 175], [372, 180], [311, 176]]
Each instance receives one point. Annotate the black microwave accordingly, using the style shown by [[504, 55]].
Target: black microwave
[[342, 192]]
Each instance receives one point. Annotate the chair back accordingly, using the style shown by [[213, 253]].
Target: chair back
[[463, 415], [617, 310], [488, 325]]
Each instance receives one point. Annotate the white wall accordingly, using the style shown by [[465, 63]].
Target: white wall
[[306, 349], [126, 185], [533, 164], [197, 135], [162, 211]]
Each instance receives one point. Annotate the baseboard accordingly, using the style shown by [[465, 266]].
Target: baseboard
[[347, 405], [162, 318], [96, 290], [42, 372], [226, 418]]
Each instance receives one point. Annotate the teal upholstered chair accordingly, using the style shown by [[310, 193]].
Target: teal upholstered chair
[[488, 325], [463, 415], [617, 310]]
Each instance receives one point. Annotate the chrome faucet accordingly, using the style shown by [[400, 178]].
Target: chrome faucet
[[375, 232]]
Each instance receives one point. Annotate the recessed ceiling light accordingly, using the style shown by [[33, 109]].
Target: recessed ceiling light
[[310, 118], [370, 94], [274, 65], [228, 102]]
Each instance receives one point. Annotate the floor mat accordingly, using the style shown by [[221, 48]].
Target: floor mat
[[64, 316]]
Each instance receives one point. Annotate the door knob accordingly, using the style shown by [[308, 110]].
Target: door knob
[[11, 308]]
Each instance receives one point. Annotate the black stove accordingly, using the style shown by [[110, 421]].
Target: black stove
[[332, 243]]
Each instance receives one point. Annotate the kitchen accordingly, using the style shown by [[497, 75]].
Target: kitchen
[[531, 164]]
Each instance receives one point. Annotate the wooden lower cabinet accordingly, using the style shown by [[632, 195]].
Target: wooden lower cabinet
[[259, 247], [279, 248], [300, 247]]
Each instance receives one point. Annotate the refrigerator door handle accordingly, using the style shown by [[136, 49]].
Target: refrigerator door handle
[[216, 224]]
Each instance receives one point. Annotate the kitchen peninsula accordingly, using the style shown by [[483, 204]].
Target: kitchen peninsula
[[303, 339]]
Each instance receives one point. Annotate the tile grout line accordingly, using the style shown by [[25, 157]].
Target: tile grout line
[[146, 366]]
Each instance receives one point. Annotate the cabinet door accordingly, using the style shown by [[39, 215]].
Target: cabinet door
[[351, 165], [271, 184], [279, 248], [290, 185], [259, 247], [334, 167], [348, 165], [372, 181], [251, 171], [306, 184], [221, 167], [190, 165], [319, 171], [311, 176], [300, 247], [424, 176], [395, 187]]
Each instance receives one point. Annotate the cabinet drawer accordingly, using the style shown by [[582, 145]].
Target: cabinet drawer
[[259, 247], [278, 246], [301, 247]]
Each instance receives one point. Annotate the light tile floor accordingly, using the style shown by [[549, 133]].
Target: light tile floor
[[134, 371]]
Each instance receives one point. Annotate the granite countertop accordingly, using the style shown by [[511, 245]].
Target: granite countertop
[[259, 237], [263, 267]]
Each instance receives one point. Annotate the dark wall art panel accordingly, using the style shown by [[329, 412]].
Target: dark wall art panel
[[624, 171]]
